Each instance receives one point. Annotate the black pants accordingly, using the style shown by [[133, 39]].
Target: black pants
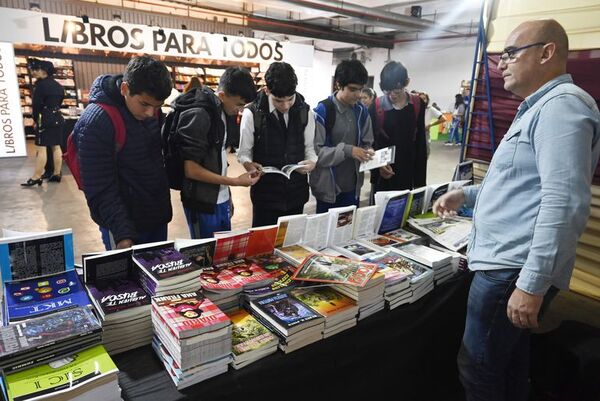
[[265, 217]]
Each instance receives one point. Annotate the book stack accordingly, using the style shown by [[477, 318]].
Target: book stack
[[164, 270], [251, 340], [339, 311], [397, 273], [47, 338], [224, 283], [439, 262], [120, 302], [280, 270], [89, 375], [25, 299], [192, 337], [369, 298], [294, 322], [355, 279], [420, 278]]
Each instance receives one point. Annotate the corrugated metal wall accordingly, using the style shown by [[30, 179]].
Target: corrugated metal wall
[[130, 16]]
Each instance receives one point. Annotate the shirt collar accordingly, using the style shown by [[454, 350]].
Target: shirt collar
[[387, 105], [341, 107], [532, 99]]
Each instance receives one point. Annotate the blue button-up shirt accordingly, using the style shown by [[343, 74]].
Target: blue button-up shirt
[[534, 202]]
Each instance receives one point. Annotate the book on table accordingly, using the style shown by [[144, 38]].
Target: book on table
[[332, 269]]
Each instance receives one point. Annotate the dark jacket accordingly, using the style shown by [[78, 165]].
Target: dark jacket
[[199, 137], [402, 129], [127, 191], [47, 97], [274, 146]]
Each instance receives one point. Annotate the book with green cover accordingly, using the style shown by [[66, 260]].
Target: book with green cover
[[61, 376]]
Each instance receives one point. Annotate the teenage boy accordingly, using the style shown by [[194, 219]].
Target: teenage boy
[[200, 136], [399, 119], [278, 129], [343, 139], [127, 190]]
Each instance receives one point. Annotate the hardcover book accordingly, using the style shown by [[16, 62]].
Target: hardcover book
[[36, 297], [331, 269], [189, 314]]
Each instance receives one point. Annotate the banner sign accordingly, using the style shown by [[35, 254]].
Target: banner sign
[[23, 26], [12, 136]]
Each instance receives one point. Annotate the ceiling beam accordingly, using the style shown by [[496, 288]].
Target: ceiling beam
[[318, 32]]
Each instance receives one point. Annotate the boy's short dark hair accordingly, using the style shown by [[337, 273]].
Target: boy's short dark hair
[[350, 72], [144, 74], [393, 76], [281, 79], [237, 81]]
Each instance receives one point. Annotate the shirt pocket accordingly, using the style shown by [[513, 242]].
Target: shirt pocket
[[505, 154]]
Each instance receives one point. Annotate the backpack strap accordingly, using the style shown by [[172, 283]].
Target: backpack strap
[[416, 101], [380, 117], [118, 123]]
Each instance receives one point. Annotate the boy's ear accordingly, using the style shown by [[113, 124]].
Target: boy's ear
[[124, 88]]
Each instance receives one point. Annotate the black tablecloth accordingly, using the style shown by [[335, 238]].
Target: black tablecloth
[[405, 354]]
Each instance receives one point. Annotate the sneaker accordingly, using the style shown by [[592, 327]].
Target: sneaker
[[458, 143], [447, 143]]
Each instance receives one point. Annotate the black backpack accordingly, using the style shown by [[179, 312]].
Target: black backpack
[[171, 155]]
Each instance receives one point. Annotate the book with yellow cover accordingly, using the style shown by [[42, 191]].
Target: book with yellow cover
[[326, 300]]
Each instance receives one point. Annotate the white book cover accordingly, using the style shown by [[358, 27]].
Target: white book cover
[[316, 231], [423, 254], [290, 230], [382, 157], [365, 222], [341, 228]]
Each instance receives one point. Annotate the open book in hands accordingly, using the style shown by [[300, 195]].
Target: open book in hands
[[382, 157], [286, 170]]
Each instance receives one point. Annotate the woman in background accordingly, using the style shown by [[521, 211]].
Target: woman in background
[[48, 120], [458, 117]]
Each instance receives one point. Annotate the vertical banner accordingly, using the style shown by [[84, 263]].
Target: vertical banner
[[12, 133]]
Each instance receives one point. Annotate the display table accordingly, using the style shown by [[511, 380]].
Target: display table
[[405, 354]]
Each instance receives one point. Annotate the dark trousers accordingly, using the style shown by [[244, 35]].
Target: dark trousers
[[342, 199], [493, 360], [265, 217], [146, 237]]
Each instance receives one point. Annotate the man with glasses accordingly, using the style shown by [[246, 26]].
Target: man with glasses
[[126, 189], [343, 139], [529, 211]]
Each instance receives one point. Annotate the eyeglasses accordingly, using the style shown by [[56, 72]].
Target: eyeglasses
[[509, 55]]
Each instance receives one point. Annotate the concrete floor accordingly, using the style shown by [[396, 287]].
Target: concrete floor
[[55, 206]]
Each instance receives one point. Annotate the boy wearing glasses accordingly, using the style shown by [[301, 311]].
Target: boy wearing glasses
[[126, 189], [529, 212], [343, 139]]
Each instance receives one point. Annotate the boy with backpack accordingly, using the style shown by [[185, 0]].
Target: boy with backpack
[[278, 129], [399, 119], [116, 154], [343, 139], [196, 132]]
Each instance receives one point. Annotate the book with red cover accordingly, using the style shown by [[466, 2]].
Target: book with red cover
[[189, 314], [233, 275], [230, 246], [261, 241]]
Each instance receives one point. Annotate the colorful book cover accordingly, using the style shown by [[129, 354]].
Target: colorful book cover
[[297, 252], [285, 310], [222, 276], [270, 262], [394, 268], [261, 241], [62, 375], [382, 241], [201, 252], [402, 236], [36, 254], [36, 297], [164, 263], [395, 213], [231, 247], [332, 269], [324, 300], [119, 295], [248, 334], [282, 279], [45, 331], [189, 314]]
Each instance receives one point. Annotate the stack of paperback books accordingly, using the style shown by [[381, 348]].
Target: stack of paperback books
[[296, 324], [164, 270], [43, 339], [192, 337], [439, 262], [251, 340], [121, 303], [339, 311], [89, 375], [369, 297]]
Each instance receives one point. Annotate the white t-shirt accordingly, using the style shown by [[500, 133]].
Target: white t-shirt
[[431, 114]]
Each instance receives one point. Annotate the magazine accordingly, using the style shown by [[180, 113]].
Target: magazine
[[285, 171], [382, 157], [451, 232], [331, 269]]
